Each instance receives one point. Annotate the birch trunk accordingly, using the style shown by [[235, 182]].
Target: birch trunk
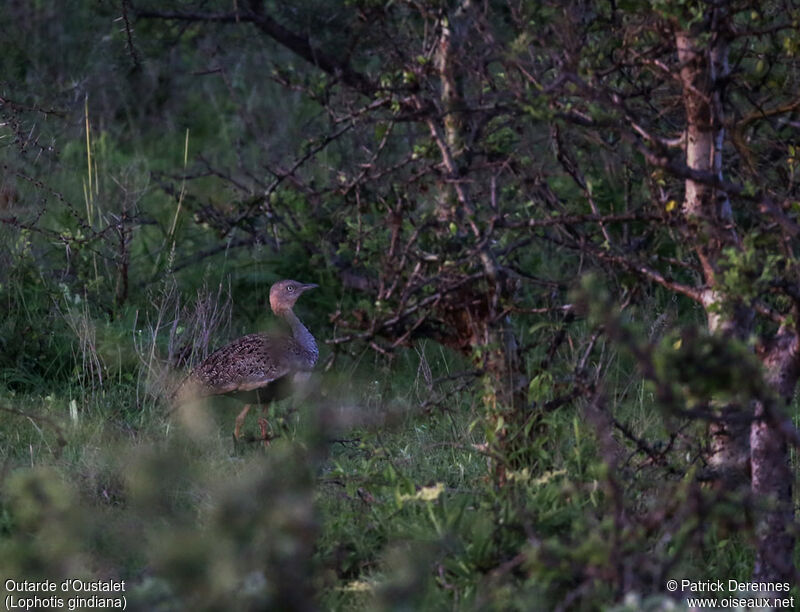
[[736, 448], [480, 330], [707, 209]]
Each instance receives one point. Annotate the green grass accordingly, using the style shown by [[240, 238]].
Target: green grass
[[359, 503]]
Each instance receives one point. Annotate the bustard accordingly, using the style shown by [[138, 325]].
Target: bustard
[[258, 368]]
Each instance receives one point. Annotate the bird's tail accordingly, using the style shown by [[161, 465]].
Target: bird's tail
[[190, 388]]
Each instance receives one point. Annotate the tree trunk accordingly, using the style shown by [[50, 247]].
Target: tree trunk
[[475, 314], [735, 449], [771, 474], [707, 209]]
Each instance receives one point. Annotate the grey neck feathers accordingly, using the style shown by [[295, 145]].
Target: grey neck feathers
[[301, 335]]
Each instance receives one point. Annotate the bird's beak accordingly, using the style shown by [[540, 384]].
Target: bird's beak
[[309, 286]]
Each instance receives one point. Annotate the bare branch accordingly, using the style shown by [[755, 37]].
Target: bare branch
[[300, 45]]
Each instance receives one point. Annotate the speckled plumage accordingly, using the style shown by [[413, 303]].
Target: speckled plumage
[[258, 368], [250, 362]]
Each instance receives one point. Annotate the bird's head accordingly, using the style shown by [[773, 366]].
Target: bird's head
[[283, 294]]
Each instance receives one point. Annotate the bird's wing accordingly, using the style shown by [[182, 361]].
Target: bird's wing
[[248, 363]]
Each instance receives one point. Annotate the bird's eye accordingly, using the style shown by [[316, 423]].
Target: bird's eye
[[290, 288]]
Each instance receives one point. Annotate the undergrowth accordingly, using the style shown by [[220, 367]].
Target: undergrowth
[[378, 491], [365, 500]]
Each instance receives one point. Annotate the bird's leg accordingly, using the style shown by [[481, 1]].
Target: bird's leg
[[237, 430], [263, 423]]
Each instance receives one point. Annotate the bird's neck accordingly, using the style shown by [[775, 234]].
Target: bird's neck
[[300, 333]]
